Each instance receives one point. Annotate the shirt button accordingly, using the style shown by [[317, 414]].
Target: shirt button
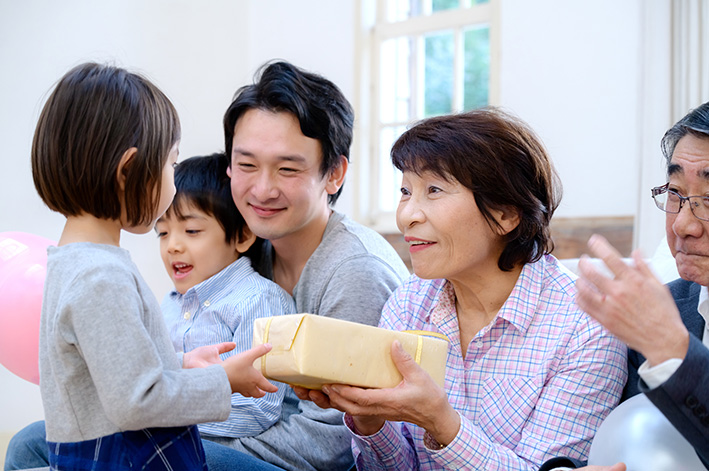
[[187, 315], [207, 303], [691, 401], [479, 343]]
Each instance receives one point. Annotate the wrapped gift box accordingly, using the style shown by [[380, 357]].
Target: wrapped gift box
[[310, 351]]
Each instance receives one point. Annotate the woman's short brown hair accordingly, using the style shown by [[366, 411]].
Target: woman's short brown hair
[[500, 159], [94, 115]]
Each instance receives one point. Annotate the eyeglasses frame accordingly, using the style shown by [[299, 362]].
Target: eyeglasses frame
[[659, 190]]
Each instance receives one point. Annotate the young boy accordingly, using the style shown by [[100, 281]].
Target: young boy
[[204, 244]]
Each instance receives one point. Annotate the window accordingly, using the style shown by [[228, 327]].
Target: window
[[419, 58]]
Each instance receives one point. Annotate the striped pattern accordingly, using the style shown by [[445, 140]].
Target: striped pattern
[[535, 383], [223, 309]]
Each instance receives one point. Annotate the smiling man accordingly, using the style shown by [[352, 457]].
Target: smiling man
[[289, 137]]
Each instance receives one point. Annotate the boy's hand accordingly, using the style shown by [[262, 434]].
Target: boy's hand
[[202, 357], [243, 377], [318, 397]]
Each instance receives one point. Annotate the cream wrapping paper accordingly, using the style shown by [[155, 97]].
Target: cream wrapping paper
[[310, 351]]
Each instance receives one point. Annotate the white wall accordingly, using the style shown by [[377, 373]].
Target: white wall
[[187, 48], [570, 69], [594, 80]]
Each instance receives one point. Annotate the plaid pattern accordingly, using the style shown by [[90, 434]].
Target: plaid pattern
[[535, 383], [153, 449]]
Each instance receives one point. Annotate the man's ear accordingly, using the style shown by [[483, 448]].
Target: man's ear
[[245, 240], [122, 169], [507, 219], [337, 176]]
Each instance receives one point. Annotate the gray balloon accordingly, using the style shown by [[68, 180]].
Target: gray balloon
[[637, 434]]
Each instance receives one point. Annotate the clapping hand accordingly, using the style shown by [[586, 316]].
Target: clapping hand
[[634, 305]]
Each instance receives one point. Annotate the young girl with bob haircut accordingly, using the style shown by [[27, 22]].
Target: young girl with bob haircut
[[114, 393]]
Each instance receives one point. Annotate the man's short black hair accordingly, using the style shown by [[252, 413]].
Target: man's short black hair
[[320, 107]]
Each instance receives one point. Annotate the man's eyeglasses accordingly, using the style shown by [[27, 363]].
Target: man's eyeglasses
[[671, 202]]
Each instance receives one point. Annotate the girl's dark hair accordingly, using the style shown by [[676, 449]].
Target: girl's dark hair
[[320, 107], [202, 182], [500, 159], [94, 115]]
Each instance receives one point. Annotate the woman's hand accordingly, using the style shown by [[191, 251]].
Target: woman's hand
[[417, 400], [201, 357]]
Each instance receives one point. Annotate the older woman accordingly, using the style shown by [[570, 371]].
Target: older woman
[[529, 375]]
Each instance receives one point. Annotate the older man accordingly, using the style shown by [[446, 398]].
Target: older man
[[664, 326]]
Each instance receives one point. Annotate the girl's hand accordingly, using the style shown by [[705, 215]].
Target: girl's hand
[[417, 400], [202, 357], [243, 377]]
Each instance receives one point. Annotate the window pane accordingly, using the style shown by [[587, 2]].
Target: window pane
[[395, 81], [442, 5], [402, 10], [439, 71], [476, 77], [389, 176], [439, 74]]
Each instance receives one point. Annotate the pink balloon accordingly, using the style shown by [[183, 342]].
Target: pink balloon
[[23, 267]]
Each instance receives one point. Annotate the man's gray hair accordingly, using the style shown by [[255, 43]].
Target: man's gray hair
[[696, 122]]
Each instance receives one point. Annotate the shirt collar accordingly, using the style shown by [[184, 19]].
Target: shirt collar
[[703, 306], [444, 305], [220, 285], [520, 306]]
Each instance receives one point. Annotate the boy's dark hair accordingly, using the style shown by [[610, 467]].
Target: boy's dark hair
[[502, 161], [94, 115], [320, 107], [202, 182]]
